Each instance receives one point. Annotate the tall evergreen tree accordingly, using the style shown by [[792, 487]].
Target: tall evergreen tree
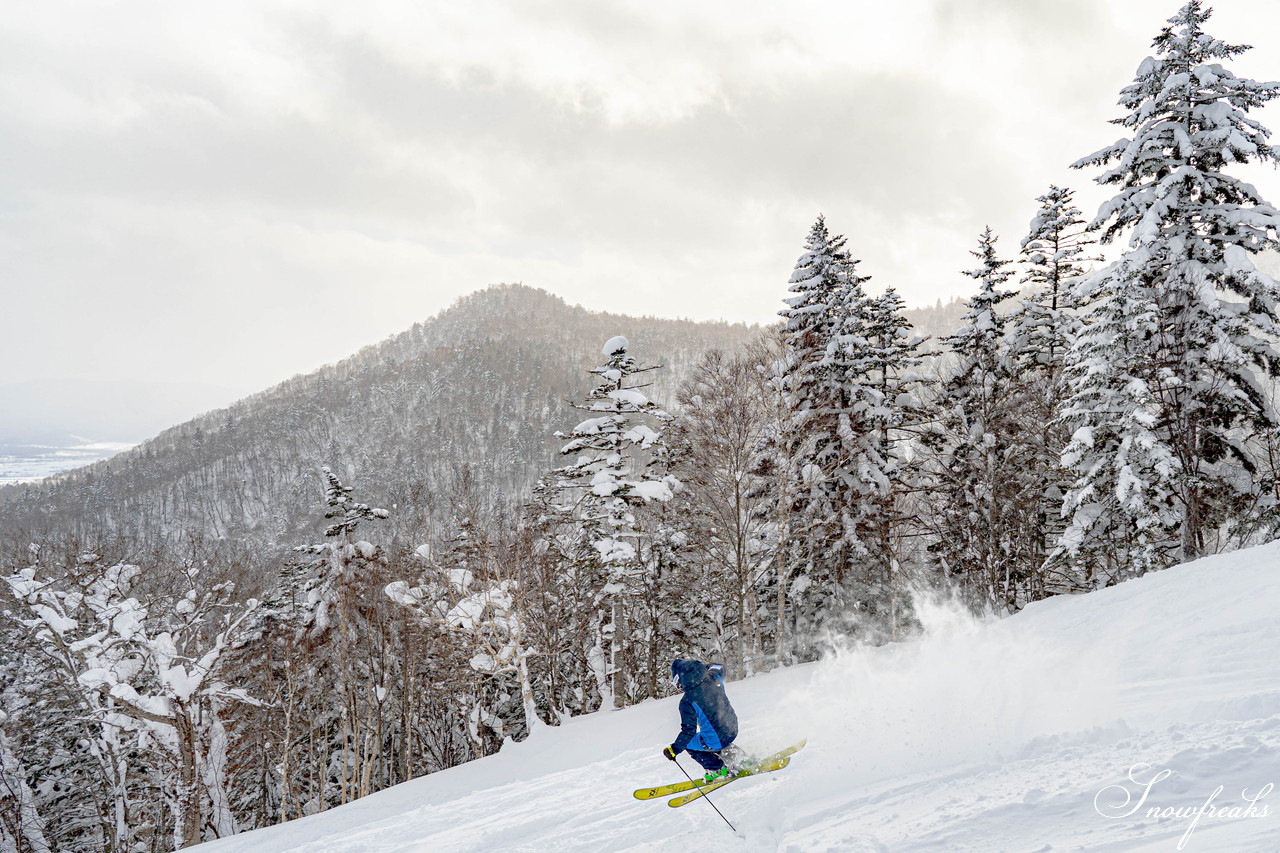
[[1055, 250], [981, 452], [619, 464], [1123, 505], [334, 560], [828, 300], [1199, 319], [846, 354], [893, 413], [340, 624]]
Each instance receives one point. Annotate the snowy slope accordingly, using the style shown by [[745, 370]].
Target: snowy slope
[[983, 736]]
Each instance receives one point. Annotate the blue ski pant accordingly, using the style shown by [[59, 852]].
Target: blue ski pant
[[699, 750]]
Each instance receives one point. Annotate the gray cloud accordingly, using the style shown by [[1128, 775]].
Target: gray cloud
[[233, 198]]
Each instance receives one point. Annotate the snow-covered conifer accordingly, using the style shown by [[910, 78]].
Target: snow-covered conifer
[[894, 414], [339, 623], [619, 465], [1039, 329], [343, 507], [1123, 506], [1055, 250], [845, 355], [821, 355], [1187, 389], [334, 560], [981, 449]]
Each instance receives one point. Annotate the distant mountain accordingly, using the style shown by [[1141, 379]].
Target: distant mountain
[[467, 401], [937, 321]]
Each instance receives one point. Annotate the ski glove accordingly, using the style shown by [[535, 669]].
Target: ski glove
[[669, 753]]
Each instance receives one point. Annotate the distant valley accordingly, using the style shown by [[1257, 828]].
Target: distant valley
[[28, 462], [51, 426], [65, 412]]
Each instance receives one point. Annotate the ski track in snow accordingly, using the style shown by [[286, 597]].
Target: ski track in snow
[[982, 737]]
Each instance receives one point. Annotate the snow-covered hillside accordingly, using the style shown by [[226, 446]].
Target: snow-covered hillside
[[1048, 731]]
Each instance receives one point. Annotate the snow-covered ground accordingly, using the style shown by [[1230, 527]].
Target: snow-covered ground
[[1049, 731]]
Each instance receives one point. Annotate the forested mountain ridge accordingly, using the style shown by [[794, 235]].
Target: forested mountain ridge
[[479, 388]]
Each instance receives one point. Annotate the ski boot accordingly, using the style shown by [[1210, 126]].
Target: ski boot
[[736, 759], [713, 775]]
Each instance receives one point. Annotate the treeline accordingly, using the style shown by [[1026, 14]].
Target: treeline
[[1117, 419]]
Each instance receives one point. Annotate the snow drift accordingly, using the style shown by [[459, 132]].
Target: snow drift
[[1047, 731]]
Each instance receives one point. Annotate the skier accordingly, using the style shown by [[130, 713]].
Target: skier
[[708, 723]]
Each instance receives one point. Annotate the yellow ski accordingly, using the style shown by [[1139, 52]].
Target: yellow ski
[[703, 790], [679, 787]]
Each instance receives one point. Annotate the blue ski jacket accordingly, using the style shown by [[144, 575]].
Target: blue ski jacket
[[707, 720]]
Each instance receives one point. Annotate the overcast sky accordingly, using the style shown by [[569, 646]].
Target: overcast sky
[[234, 192]]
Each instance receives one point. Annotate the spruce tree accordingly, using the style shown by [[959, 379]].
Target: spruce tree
[[846, 354], [1055, 252], [1123, 506], [981, 451], [619, 464], [828, 299], [1182, 384], [893, 415], [334, 561]]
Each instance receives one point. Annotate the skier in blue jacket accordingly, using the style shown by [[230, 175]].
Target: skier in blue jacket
[[708, 723]]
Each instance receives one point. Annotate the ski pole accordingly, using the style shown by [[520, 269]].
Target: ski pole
[[704, 796]]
